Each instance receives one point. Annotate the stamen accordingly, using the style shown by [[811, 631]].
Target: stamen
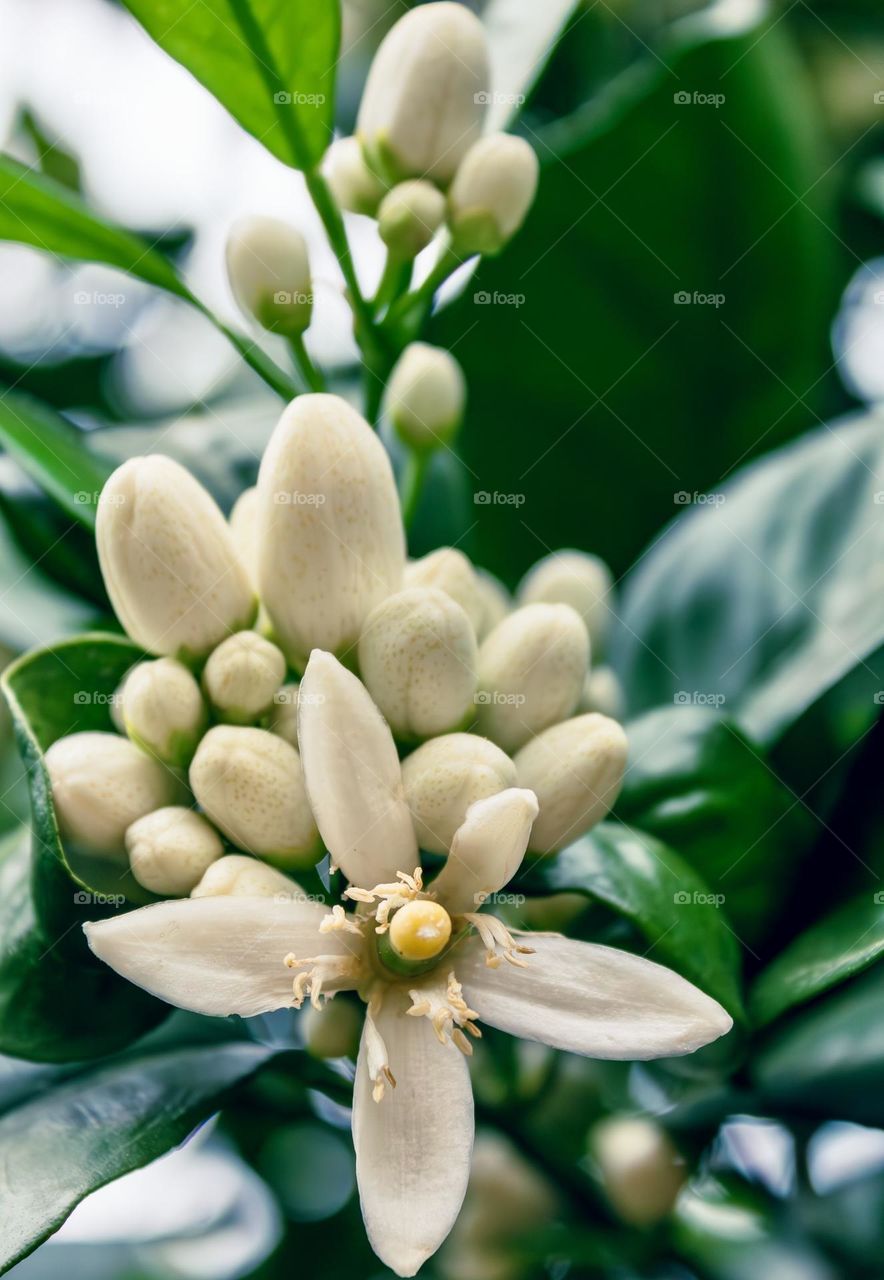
[[446, 1010], [390, 897], [320, 972], [376, 1050], [498, 941], [340, 919]]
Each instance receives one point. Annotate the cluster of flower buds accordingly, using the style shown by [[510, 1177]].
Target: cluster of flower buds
[[483, 692]]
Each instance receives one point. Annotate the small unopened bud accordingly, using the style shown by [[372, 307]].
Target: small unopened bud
[[332, 1031], [531, 672], [575, 578], [447, 775], [603, 692], [282, 718], [249, 783], [241, 677], [426, 92], [496, 600], [101, 784], [491, 193], [168, 560], [450, 571], [171, 849], [417, 657], [236, 876], [420, 930], [244, 531], [576, 771], [641, 1171], [350, 180], [426, 396], [269, 273], [162, 710], [409, 216], [330, 532]]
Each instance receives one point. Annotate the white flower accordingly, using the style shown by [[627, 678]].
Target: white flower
[[575, 578], [425, 396], [412, 1101], [242, 676], [350, 180], [491, 193], [269, 273], [409, 216]]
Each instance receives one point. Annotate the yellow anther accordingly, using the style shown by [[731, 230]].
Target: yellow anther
[[420, 930]]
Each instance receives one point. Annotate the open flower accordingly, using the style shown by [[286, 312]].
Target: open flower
[[427, 961]]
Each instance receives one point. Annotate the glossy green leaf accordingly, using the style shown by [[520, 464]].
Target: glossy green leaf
[[34, 610], [833, 950], [770, 598], [649, 884], [521, 37], [270, 63], [103, 1123], [595, 396]]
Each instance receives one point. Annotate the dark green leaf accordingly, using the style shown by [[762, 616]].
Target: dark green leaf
[[34, 610], [521, 35], [271, 64], [833, 950]]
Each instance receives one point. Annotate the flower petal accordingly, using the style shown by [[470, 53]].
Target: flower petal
[[413, 1148], [487, 849], [352, 773], [591, 999], [216, 955]]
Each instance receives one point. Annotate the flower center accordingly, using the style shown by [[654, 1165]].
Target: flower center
[[420, 930]]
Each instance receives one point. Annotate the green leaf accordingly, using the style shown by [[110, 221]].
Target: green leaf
[[34, 610], [271, 63], [645, 881], [54, 453], [769, 599], [521, 37], [584, 374], [833, 950], [103, 1123], [695, 782]]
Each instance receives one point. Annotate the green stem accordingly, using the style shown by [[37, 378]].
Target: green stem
[[305, 366], [413, 478], [411, 311], [397, 273]]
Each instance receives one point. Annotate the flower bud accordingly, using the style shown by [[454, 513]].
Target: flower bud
[[350, 180], [330, 532], [531, 672], [450, 571], [417, 657], [424, 100], [236, 876], [447, 775], [409, 216], [641, 1171], [576, 771], [496, 601], [426, 396], [269, 273], [282, 718], [491, 193], [168, 560], [603, 692], [249, 783], [162, 710], [575, 578], [101, 784], [332, 1030], [242, 676], [171, 849], [244, 531]]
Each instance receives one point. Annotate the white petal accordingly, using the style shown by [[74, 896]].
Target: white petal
[[413, 1148], [216, 955], [352, 774], [487, 849], [591, 999]]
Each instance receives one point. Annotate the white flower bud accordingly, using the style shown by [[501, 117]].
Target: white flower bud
[[350, 180], [531, 672], [332, 1030], [242, 675], [282, 718], [249, 783], [101, 784], [244, 531], [237, 876], [330, 532], [409, 216], [575, 578], [447, 775], [162, 710], [168, 560], [641, 1171], [491, 193], [171, 849], [269, 273], [450, 571], [576, 771], [603, 692], [425, 96], [417, 657], [496, 600], [426, 396]]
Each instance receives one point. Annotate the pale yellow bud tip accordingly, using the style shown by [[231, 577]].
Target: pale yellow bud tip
[[420, 930]]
